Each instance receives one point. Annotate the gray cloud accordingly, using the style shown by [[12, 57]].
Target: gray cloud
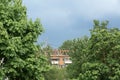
[[67, 19]]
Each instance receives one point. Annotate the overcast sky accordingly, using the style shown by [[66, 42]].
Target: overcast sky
[[68, 19]]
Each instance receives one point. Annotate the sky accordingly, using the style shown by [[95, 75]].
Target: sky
[[68, 19]]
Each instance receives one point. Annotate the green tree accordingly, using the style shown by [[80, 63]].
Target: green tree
[[78, 54], [56, 73], [48, 50], [104, 50], [66, 45], [96, 57], [18, 36]]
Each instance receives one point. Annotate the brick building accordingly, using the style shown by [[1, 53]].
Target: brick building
[[60, 58]]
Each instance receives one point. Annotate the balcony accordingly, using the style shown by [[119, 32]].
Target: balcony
[[55, 62], [68, 61]]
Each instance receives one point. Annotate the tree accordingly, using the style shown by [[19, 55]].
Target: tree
[[104, 50], [104, 47], [66, 45], [17, 43], [96, 57], [78, 54], [48, 50], [56, 73]]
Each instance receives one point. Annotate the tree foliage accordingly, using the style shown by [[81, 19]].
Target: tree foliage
[[78, 53], [56, 73], [17, 43], [96, 57], [66, 45]]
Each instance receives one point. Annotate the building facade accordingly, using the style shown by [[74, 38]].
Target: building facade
[[60, 58]]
